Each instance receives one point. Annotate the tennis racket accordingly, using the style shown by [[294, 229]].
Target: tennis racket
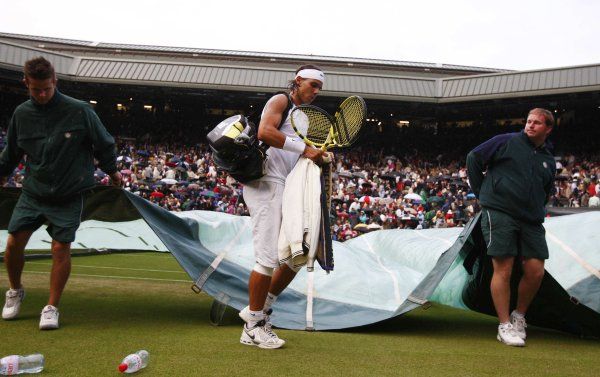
[[318, 128], [313, 125]]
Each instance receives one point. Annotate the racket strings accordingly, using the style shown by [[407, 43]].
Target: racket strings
[[318, 124], [349, 120]]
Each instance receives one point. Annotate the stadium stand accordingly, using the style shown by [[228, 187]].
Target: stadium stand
[[423, 118]]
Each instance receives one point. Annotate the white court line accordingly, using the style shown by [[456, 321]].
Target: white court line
[[114, 277], [144, 253], [390, 272], [572, 253], [148, 253], [111, 268]]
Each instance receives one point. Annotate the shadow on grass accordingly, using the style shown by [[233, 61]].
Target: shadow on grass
[[438, 320]]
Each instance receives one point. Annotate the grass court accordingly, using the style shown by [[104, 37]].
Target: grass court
[[116, 304]]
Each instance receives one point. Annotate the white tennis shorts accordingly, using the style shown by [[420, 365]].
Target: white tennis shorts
[[264, 200]]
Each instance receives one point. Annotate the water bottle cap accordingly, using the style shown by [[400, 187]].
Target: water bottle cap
[[122, 367]]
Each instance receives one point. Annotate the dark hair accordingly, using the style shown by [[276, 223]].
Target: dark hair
[[38, 69], [292, 83], [548, 117]]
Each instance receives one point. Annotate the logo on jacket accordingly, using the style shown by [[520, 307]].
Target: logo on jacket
[[545, 165]]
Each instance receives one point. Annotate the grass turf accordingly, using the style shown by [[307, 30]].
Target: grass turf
[[117, 304]]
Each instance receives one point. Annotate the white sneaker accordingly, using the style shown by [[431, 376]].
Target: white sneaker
[[14, 297], [49, 318], [260, 336], [268, 325], [507, 335], [519, 325]]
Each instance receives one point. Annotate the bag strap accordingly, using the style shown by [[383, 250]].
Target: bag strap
[[287, 109], [264, 146]]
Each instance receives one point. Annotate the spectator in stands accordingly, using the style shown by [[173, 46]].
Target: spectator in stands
[[594, 201]]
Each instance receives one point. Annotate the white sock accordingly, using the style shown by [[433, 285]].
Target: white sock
[[271, 298], [517, 314], [257, 316]]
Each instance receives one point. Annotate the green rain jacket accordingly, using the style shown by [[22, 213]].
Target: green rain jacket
[[60, 141], [519, 178]]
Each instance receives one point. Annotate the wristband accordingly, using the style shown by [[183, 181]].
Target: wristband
[[293, 145]]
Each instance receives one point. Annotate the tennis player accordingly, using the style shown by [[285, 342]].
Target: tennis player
[[263, 197], [60, 136]]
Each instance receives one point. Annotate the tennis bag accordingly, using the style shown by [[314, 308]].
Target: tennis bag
[[236, 148]]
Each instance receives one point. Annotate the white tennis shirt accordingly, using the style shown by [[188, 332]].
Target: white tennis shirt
[[280, 163]]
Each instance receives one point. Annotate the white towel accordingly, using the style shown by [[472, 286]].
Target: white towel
[[301, 214]]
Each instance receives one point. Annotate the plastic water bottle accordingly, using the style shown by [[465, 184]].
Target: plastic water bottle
[[16, 364], [134, 362]]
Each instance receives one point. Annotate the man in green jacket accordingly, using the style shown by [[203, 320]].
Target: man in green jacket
[[513, 194], [59, 137]]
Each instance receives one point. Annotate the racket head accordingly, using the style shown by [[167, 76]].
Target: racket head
[[349, 119], [312, 124]]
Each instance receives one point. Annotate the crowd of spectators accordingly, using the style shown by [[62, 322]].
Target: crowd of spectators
[[371, 189], [412, 178]]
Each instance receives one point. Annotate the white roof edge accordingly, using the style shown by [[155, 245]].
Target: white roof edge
[[257, 53], [520, 72], [39, 49]]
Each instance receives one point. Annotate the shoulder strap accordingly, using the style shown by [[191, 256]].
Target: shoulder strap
[[263, 146], [287, 109]]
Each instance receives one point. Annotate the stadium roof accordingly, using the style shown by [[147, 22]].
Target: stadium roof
[[254, 71], [197, 52]]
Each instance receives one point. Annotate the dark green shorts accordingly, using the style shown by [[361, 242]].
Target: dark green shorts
[[506, 236], [63, 218]]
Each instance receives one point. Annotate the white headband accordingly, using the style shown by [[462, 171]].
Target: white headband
[[311, 74]]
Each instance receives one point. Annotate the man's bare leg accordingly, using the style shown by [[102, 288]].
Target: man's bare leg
[[282, 277], [258, 287], [500, 286], [61, 269], [533, 273], [14, 256]]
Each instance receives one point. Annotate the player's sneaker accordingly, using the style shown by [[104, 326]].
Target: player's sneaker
[[260, 336], [49, 318], [519, 325], [507, 335], [12, 305], [268, 325]]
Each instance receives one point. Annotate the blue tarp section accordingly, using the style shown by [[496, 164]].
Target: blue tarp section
[[377, 276]]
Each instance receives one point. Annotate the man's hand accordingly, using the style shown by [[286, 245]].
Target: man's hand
[[328, 158], [314, 154], [116, 179], [3, 181], [318, 156]]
